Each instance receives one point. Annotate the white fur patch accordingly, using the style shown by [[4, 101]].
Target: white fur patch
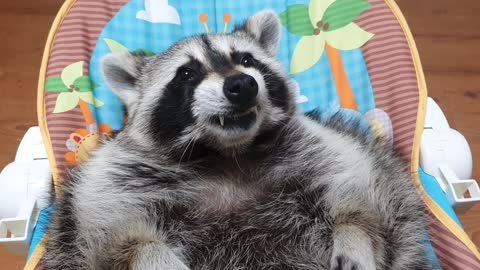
[[209, 99]]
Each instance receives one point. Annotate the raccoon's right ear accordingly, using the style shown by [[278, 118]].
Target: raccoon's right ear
[[121, 72]]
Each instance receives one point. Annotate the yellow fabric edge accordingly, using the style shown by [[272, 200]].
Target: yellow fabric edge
[[36, 256], [444, 218], [41, 114]]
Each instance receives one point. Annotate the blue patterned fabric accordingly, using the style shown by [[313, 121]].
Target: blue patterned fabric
[[434, 190], [316, 84], [40, 228]]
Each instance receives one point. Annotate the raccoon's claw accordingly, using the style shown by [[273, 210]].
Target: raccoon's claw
[[341, 262]]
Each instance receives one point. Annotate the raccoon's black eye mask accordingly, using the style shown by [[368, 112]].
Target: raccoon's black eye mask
[[186, 74], [244, 59], [192, 72]]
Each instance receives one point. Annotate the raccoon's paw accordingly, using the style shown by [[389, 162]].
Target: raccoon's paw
[[352, 250], [341, 262]]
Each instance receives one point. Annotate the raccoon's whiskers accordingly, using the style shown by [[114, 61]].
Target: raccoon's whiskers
[[192, 140], [191, 148], [238, 164]]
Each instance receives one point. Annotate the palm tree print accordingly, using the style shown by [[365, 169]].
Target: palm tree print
[[75, 89], [326, 25]]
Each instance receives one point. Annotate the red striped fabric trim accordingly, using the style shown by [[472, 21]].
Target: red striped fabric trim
[[390, 65], [451, 253], [74, 41]]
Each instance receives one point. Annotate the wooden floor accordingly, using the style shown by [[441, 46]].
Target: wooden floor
[[447, 34]]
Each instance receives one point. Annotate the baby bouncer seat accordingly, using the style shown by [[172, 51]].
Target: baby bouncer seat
[[357, 56]]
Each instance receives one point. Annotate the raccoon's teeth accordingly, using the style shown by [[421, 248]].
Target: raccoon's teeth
[[222, 120]]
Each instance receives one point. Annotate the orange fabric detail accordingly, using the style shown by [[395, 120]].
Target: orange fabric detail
[[344, 90], [82, 132], [87, 114], [70, 158], [105, 129]]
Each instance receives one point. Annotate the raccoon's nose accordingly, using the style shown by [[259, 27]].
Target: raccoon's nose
[[241, 90]]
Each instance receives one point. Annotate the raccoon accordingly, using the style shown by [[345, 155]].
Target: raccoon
[[217, 169]]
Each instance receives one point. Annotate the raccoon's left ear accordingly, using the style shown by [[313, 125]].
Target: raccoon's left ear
[[265, 26], [121, 72]]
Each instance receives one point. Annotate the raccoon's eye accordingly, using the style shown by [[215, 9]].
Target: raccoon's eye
[[186, 74], [247, 60]]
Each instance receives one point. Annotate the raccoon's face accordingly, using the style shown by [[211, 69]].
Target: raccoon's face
[[221, 89]]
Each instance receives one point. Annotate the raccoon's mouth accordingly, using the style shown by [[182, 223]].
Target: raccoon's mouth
[[236, 120]]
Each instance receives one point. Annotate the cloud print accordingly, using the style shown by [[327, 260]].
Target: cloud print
[[299, 98], [159, 11]]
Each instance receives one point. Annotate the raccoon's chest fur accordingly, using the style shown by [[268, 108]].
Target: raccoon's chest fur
[[222, 195], [227, 186]]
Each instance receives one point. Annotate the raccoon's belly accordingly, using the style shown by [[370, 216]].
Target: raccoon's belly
[[266, 230], [256, 242], [253, 249]]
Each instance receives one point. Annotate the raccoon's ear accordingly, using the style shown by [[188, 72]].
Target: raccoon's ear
[[121, 72], [265, 26]]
